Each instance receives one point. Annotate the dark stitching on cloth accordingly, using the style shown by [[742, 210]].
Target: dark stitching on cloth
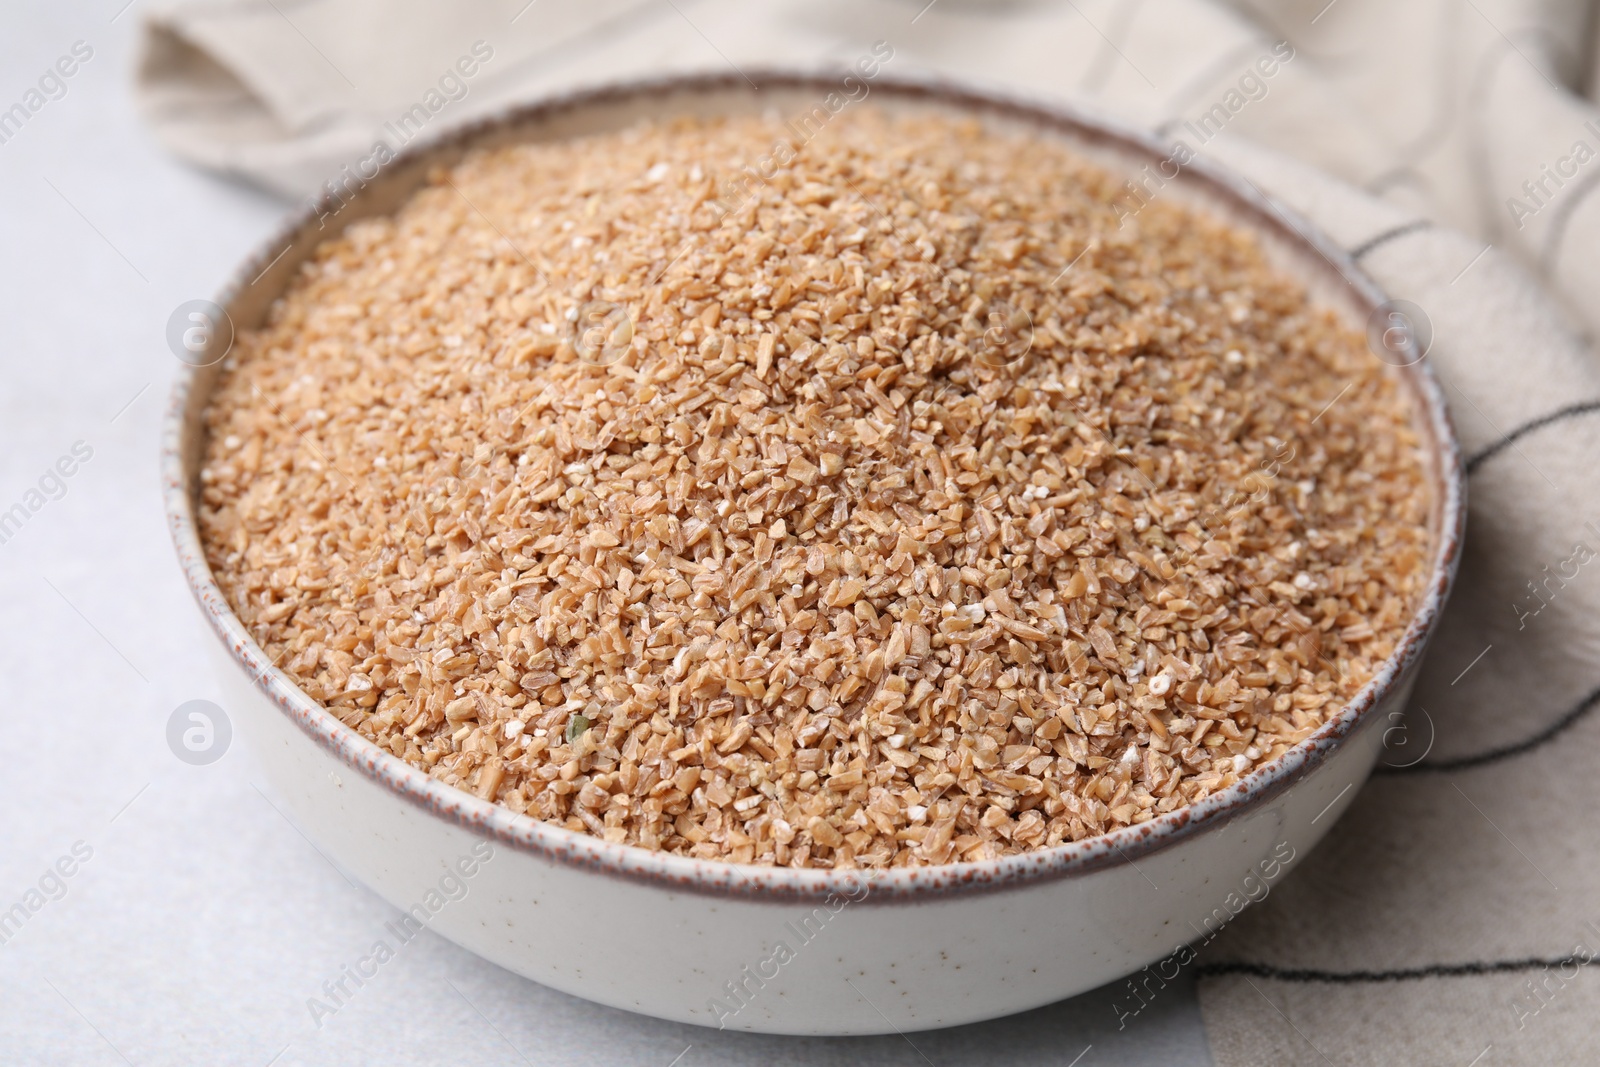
[[1437, 970], [1495, 755], [1574, 714], [1414, 226], [1583, 407]]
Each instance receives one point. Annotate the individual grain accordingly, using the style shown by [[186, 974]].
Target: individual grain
[[899, 508]]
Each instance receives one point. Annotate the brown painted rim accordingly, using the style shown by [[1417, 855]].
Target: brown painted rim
[[670, 872]]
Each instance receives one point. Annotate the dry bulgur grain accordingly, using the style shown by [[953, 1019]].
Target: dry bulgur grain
[[862, 533]]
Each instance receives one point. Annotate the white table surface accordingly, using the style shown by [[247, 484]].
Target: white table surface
[[203, 920]]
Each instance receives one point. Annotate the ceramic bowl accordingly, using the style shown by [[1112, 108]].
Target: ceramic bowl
[[776, 949]]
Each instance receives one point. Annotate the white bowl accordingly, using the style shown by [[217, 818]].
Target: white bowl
[[776, 949]]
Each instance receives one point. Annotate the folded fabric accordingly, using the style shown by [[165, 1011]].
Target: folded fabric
[[1446, 919]]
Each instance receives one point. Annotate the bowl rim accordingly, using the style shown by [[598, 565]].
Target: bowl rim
[[561, 846]]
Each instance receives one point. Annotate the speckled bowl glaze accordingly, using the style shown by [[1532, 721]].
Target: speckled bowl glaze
[[775, 949]]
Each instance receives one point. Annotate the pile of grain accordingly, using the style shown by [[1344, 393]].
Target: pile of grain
[[825, 520]]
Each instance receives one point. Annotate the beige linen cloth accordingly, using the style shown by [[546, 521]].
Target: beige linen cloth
[[1449, 917]]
